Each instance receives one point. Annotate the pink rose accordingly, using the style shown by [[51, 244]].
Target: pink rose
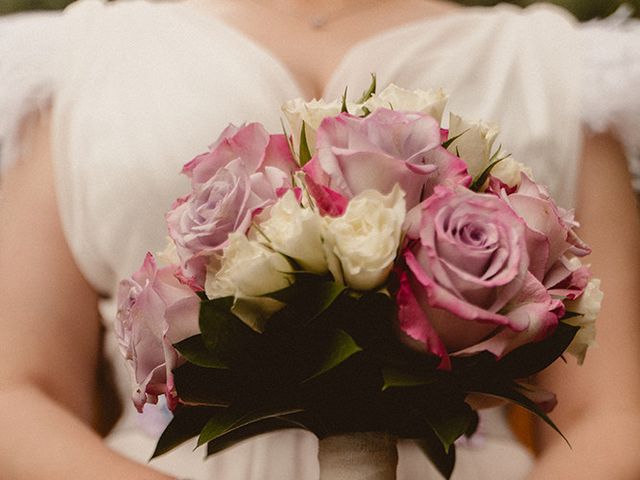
[[155, 311], [550, 234], [386, 148], [551, 240], [467, 267], [241, 174], [567, 278]]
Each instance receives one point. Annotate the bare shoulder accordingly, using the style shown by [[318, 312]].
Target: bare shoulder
[[604, 172], [28, 193], [48, 315]]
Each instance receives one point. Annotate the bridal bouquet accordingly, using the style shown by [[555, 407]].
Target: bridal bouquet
[[369, 271]]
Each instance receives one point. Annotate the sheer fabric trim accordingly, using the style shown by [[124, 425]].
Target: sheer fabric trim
[[27, 47]]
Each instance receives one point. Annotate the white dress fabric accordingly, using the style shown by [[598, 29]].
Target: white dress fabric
[[137, 89], [611, 50]]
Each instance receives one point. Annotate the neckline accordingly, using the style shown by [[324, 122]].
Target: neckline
[[210, 23]]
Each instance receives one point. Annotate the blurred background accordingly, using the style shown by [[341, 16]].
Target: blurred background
[[583, 9]]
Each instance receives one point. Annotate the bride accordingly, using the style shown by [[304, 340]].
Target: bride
[[102, 105]]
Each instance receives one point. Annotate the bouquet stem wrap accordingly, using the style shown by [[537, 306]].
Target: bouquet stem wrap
[[358, 456]]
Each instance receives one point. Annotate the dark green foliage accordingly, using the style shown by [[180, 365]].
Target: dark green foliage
[[186, 423], [331, 362]]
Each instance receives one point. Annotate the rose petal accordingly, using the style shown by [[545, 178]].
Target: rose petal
[[533, 315], [439, 297], [414, 323], [329, 202]]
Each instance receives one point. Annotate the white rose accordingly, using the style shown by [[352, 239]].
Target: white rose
[[168, 256], [311, 113], [365, 239], [509, 170], [474, 144], [588, 305], [430, 102], [248, 270], [294, 231]]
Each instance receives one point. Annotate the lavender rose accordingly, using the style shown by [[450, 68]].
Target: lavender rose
[[241, 174], [155, 311], [468, 270], [552, 242], [550, 233], [377, 152]]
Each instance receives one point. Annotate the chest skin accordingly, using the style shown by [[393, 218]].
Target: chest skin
[[311, 55]]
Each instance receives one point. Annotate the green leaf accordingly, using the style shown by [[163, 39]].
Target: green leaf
[[218, 424], [443, 461], [204, 385], [534, 357], [473, 425], [230, 419], [449, 420], [303, 281], [480, 180], [512, 393], [344, 108], [339, 348], [203, 296], [308, 297], [394, 378], [186, 423], [305, 153], [224, 334], [251, 430], [196, 352], [368, 93], [453, 139], [371, 321]]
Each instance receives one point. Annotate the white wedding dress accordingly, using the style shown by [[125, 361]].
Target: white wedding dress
[[138, 89]]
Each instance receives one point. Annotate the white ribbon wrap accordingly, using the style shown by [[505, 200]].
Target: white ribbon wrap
[[358, 456]]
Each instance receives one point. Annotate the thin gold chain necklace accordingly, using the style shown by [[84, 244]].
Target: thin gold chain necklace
[[319, 20]]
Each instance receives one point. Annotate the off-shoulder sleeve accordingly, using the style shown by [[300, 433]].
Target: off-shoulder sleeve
[[28, 44], [44, 59], [35, 49], [611, 84], [612, 75]]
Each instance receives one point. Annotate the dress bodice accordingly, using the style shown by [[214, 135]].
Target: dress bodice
[[144, 87], [139, 88]]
